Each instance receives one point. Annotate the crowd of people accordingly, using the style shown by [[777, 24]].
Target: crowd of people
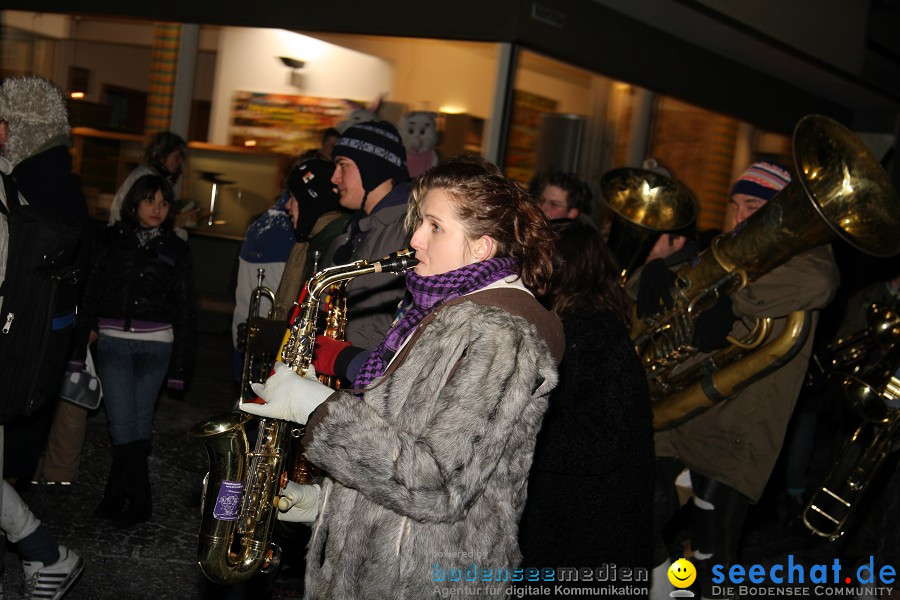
[[492, 414]]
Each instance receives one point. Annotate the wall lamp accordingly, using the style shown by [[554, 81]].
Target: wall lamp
[[294, 64]]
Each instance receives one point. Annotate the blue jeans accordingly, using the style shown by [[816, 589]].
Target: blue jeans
[[131, 372]]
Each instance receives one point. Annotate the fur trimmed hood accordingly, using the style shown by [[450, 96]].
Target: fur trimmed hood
[[36, 112]]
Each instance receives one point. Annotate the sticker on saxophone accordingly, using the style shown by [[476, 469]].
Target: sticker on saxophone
[[228, 504]]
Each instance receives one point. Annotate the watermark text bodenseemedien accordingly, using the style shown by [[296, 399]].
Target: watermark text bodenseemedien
[[604, 573]]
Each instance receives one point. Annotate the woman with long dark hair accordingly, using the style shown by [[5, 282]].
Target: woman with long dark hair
[[138, 301], [427, 466], [590, 490]]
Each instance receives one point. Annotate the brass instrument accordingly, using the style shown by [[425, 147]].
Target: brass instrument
[[240, 500], [827, 511], [850, 354], [258, 357], [299, 469], [840, 191], [336, 324], [643, 204], [870, 387]]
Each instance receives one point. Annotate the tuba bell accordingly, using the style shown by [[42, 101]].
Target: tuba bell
[[840, 191], [643, 204]]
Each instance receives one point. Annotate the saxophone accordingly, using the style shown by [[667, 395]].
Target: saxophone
[[241, 490]]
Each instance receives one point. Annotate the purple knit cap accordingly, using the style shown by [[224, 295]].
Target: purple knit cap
[[762, 180]]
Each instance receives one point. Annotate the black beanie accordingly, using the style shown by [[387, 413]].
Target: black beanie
[[377, 150], [310, 183]]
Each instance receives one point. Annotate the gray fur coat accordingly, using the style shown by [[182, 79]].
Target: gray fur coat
[[429, 473]]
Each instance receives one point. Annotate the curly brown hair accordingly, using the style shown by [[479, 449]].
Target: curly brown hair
[[487, 203]]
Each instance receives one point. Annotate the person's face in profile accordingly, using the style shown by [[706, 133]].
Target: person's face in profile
[[348, 182], [666, 246], [440, 240], [293, 209]]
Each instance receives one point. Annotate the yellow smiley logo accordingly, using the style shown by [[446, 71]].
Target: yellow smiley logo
[[682, 573]]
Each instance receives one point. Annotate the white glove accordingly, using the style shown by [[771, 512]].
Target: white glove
[[288, 396], [299, 503]]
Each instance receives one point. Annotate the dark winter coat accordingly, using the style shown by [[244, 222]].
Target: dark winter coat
[[146, 283], [373, 298], [429, 472], [590, 491], [46, 182]]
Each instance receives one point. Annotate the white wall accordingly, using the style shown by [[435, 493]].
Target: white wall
[[247, 61], [430, 74]]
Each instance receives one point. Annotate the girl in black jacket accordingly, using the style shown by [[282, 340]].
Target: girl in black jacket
[[138, 300]]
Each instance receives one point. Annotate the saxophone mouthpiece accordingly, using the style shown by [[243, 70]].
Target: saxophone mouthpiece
[[397, 262]]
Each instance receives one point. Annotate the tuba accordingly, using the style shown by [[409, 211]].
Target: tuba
[[644, 204], [840, 191], [240, 499], [872, 390]]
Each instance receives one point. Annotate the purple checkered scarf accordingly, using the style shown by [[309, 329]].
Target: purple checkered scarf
[[427, 293]]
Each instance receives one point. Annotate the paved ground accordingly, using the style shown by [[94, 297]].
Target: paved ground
[[156, 560]]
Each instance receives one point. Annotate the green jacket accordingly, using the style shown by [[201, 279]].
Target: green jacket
[[738, 441]]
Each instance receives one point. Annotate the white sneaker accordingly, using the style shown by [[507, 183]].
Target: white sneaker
[[51, 582]]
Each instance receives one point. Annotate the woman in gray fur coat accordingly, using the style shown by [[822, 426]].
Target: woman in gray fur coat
[[427, 468]]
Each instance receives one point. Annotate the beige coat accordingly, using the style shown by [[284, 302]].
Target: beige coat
[[738, 441]]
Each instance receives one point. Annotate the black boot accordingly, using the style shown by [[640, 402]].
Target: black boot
[[137, 486], [113, 502]]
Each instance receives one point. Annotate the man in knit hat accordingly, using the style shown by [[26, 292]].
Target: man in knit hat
[[756, 186], [726, 454], [371, 178]]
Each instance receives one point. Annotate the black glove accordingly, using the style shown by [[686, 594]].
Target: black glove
[[713, 325], [655, 288]]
